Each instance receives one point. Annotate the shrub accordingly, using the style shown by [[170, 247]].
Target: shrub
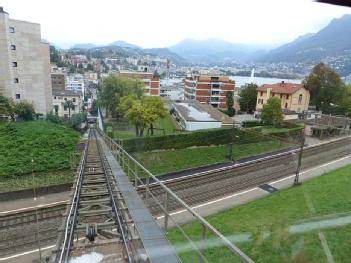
[[184, 140], [254, 123]]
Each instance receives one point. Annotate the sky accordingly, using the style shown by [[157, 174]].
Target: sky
[[163, 23]]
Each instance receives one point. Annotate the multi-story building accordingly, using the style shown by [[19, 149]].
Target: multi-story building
[[208, 89], [58, 81], [152, 83], [75, 82], [24, 63], [172, 89], [294, 97], [59, 102]]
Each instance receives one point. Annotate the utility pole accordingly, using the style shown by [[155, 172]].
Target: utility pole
[[36, 211], [297, 175]]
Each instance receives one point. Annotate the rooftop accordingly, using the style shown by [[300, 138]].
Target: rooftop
[[198, 112], [281, 87], [67, 93]]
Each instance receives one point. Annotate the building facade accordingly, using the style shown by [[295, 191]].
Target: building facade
[[75, 82], [208, 89], [60, 98], [294, 97], [58, 81], [24, 63], [152, 83]]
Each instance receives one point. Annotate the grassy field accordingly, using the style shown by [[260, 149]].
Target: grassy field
[[161, 162], [165, 123], [286, 226], [49, 145]]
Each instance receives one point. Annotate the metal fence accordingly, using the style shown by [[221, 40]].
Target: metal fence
[[196, 244]]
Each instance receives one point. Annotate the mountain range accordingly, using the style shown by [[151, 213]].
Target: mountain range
[[331, 44]]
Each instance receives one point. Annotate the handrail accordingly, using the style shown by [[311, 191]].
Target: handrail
[[226, 242], [73, 209], [117, 211]]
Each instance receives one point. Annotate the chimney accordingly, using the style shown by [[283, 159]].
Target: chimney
[[282, 84]]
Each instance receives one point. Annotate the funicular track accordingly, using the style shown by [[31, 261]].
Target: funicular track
[[97, 218]]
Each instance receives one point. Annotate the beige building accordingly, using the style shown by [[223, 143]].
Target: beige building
[[24, 63], [294, 97], [60, 98], [58, 81]]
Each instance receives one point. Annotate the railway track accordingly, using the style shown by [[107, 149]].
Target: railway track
[[97, 219], [204, 186], [19, 231]]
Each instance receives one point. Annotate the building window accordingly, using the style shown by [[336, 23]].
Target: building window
[[55, 97], [18, 96], [300, 98], [14, 64], [261, 93], [74, 99], [287, 96], [286, 105], [12, 29], [273, 94], [15, 80], [281, 96], [13, 47]]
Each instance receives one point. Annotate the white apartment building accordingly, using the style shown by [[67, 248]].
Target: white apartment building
[[60, 98], [75, 82], [24, 63], [172, 89]]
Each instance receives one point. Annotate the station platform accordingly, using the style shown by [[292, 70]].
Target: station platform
[[151, 235]]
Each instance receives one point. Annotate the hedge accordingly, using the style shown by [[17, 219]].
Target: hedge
[[184, 140], [252, 123]]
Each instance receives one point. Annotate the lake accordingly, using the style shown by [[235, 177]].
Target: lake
[[240, 81]]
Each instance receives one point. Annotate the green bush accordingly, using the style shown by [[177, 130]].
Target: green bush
[[253, 123], [49, 145], [184, 140]]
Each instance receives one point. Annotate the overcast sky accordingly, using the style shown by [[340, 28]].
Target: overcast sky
[[161, 23]]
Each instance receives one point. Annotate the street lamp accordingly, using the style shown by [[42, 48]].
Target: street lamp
[[297, 174]]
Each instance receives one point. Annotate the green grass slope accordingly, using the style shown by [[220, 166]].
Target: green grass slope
[[49, 145]]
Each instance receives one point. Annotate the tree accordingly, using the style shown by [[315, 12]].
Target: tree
[[54, 55], [25, 110], [113, 88], [142, 113], [7, 107], [346, 101], [248, 98], [272, 113], [94, 108], [69, 105], [230, 104], [155, 108], [324, 85]]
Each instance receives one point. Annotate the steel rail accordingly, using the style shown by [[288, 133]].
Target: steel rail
[[72, 215], [224, 240], [273, 156], [114, 206]]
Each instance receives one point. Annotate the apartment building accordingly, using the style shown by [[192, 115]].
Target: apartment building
[[294, 97], [152, 83], [60, 98], [24, 63], [208, 89], [75, 82]]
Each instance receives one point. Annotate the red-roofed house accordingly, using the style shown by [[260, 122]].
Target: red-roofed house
[[294, 97]]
